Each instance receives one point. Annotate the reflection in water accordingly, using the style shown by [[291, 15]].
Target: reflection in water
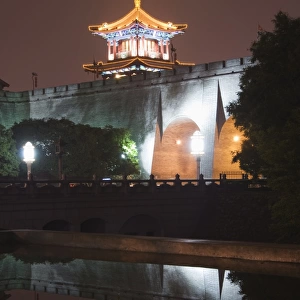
[[123, 277]]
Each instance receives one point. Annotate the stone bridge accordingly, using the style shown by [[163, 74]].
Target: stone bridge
[[152, 207]]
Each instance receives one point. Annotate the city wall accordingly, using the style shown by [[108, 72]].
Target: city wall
[[145, 104]]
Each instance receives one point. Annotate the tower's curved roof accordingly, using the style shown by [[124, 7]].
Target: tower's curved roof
[[137, 14]]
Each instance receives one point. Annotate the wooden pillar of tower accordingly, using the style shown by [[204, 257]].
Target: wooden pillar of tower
[[108, 50], [114, 49], [168, 50], [161, 48]]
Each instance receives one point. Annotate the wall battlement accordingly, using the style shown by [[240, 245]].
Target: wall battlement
[[200, 71]]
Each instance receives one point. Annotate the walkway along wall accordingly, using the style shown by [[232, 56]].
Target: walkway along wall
[[149, 105]]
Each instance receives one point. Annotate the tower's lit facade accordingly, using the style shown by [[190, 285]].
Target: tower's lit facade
[[136, 43]]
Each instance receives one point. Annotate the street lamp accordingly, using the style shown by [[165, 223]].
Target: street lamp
[[124, 165], [59, 152], [28, 157], [197, 146]]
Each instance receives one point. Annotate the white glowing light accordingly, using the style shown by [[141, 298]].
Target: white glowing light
[[28, 152], [236, 138], [178, 142], [197, 143], [119, 76]]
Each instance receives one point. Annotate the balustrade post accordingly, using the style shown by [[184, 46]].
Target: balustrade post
[[177, 182], [65, 186], [95, 185], [223, 180], [125, 184], [30, 185], [152, 184], [201, 182], [245, 179]]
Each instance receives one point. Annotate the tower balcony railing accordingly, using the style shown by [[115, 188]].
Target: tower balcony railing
[[149, 54], [123, 54], [153, 54]]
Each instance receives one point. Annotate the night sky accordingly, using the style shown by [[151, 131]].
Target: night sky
[[51, 37]]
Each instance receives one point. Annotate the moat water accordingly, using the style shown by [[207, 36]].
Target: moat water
[[45, 273]]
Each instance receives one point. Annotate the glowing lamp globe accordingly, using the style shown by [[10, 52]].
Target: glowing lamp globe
[[28, 158], [28, 153], [197, 144]]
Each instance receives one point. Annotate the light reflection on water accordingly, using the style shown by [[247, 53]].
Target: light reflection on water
[[125, 275]]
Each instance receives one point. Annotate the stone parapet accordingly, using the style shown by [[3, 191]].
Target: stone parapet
[[189, 73]]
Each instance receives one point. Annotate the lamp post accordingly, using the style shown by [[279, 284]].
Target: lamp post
[[28, 157], [197, 146], [59, 152], [124, 165]]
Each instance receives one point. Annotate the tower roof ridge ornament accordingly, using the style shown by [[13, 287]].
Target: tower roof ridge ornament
[[137, 3]]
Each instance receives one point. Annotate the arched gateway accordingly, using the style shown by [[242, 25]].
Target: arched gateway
[[172, 152]]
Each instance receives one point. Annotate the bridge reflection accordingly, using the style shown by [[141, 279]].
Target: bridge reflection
[[112, 275], [97, 279]]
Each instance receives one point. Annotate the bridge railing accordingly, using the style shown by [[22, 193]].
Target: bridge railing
[[97, 186]]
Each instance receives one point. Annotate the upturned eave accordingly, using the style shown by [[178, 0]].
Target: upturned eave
[[101, 67], [137, 15]]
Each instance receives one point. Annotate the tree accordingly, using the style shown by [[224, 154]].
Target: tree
[[248, 159], [268, 112], [87, 151], [9, 161]]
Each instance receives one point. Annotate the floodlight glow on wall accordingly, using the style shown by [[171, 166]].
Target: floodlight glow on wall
[[197, 146], [28, 157]]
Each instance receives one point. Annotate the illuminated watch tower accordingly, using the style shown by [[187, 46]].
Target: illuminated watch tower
[[137, 43]]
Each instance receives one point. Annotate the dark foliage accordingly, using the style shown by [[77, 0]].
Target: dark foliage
[[246, 216], [268, 112], [9, 161], [86, 151], [262, 287]]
